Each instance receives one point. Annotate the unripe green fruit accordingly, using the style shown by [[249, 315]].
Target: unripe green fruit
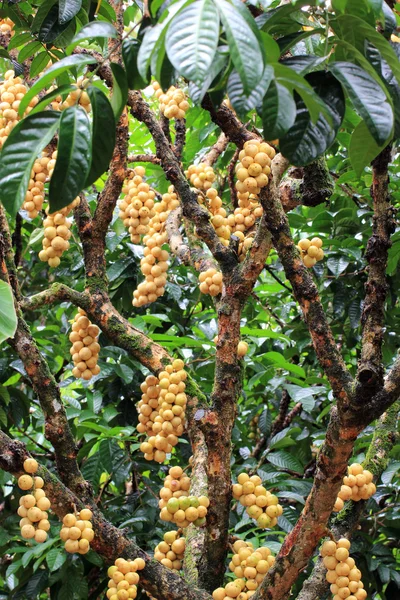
[[173, 505]]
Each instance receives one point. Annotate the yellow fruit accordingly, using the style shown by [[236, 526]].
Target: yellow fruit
[[28, 532], [25, 482], [31, 465]]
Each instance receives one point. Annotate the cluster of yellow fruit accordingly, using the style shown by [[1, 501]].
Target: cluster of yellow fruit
[[219, 217], [124, 578], [34, 197], [77, 531], [201, 176], [254, 167], [260, 504], [245, 243], [154, 263], [176, 505], [6, 25], [170, 551], [173, 103], [242, 347], [246, 214], [137, 208], [254, 428], [79, 95], [12, 90], [34, 522], [342, 573], [162, 410], [211, 282], [357, 485], [311, 251], [85, 347], [56, 234], [250, 567]]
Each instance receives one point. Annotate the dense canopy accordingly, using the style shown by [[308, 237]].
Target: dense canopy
[[199, 299]]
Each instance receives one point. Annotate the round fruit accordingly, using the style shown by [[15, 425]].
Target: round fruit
[[31, 465]]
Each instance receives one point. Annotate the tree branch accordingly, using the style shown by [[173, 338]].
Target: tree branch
[[57, 429], [109, 541], [370, 371], [345, 523], [306, 294], [219, 147]]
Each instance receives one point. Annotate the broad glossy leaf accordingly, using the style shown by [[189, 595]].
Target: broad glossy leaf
[[130, 49], [103, 134], [29, 50], [363, 148], [240, 101], [63, 65], [51, 28], [278, 111], [120, 90], [303, 63], [8, 317], [67, 9], [295, 82], [192, 40], [284, 460], [306, 140], [355, 31], [73, 158], [39, 63], [149, 41], [243, 44], [41, 13], [368, 99], [96, 29], [28, 138], [197, 94]]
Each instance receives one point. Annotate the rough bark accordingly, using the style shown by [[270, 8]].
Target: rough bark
[[370, 371]]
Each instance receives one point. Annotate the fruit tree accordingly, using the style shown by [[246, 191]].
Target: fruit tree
[[199, 299]]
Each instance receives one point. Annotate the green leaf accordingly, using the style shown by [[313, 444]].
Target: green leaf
[[149, 41], [368, 99], [28, 138], [265, 422], [190, 45], [305, 141], [67, 9], [95, 29], [8, 317], [241, 102], [130, 50], [77, 60], [363, 148], [51, 29], [120, 90], [55, 559], [243, 45], [19, 39], [39, 63], [337, 265], [295, 82], [281, 363], [356, 31], [284, 460], [278, 111], [103, 134], [29, 50], [41, 13], [390, 472], [73, 158]]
